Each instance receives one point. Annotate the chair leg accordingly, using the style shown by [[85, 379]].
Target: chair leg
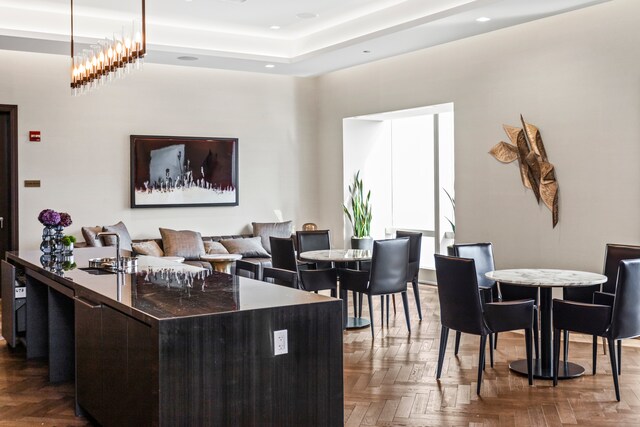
[[594, 356], [370, 300], [382, 310], [536, 334], [483, 345], [614, 368], [360, 299], [491, 349], [619, 357], [604, 345], [527, 338], [565, 351], [556, 355], [344, 296], [393, 297], [416, 294], [495, 340], [405, 303], [394, 309], [444, 335], [458, 335]]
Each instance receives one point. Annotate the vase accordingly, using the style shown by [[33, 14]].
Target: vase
[[365, 243], [47, 245], [68, 249], [57, 238]]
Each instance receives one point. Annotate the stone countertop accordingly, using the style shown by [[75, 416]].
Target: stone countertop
[[546, 277]]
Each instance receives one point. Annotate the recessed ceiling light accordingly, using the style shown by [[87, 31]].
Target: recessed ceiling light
[[483, 19], [269, 66], [366, 51], [187, 58], [307, 15], [275, 27]]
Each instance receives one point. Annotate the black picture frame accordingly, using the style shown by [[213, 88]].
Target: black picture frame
[[183, 171]]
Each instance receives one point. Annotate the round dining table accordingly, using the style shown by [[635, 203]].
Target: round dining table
[[546, 280], [342, 256]]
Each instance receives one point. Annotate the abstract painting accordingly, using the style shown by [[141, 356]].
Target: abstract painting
[[535, 170], [175, 171]]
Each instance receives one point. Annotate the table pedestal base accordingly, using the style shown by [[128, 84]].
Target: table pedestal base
[[565, 370], [357, 322]]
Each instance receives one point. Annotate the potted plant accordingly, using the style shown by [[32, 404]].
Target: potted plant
[[67, 242], [360, 214]]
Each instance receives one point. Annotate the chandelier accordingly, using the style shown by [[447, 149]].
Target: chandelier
[[108, 58]]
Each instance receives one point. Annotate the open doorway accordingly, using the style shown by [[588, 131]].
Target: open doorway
[[406, 159]]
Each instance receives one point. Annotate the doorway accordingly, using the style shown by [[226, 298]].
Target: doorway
[[8, 179]]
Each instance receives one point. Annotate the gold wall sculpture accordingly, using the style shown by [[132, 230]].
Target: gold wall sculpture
[[535, 170]]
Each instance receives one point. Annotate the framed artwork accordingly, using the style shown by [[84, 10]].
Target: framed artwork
[[177, 171]]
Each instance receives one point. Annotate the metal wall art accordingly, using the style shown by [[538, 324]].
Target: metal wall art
[[535, 170]]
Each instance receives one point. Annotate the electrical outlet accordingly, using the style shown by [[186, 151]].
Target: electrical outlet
[[280, 342]]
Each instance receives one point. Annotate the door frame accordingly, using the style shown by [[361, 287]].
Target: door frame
[[13, 174]]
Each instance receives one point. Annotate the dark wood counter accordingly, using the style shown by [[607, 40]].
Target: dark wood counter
[[182, 346]]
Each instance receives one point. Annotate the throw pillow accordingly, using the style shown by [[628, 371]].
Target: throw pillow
[[121, 229], [184, 243], [264, 230], [213, 248], [149, 247], [90, 235], [248, 248]]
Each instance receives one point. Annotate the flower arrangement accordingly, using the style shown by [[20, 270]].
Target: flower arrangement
[[51, 218], [68, 240]]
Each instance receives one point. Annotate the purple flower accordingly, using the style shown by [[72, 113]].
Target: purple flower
[[65, 219], [49, 217]]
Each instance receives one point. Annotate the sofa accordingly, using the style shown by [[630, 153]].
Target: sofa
[[255, 248]]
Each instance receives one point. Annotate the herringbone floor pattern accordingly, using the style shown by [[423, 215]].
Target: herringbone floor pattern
[[390, 381]]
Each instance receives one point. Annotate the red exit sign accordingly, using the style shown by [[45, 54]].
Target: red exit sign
[[34, 135]]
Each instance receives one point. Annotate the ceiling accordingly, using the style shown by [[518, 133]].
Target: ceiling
[[313, 36]]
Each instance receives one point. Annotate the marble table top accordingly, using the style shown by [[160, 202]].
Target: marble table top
[[546, 278], [220, 257], [337, 255]]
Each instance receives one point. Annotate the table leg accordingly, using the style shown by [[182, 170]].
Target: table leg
[[543, 367]]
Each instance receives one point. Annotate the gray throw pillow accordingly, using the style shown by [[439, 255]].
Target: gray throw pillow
[[264, 230], [214, 248], [149, 247], [90, 235], [183, 243], [121, 229], [248, 248]]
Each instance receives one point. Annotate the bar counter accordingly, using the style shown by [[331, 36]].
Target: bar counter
[[172, 344]]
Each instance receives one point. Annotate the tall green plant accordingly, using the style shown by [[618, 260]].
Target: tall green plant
[[360, 215]]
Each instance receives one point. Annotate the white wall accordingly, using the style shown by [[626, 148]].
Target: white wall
[[83, 159], [575, 76]]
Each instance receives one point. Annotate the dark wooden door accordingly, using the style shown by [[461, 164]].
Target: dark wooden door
[[8, 179]]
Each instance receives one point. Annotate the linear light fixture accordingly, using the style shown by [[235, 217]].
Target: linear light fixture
[[109, 57]]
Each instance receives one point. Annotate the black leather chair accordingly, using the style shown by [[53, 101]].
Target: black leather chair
[[314, 240], [614, 322], [388, 275], [283, 256], [482, 254], [283, 253], [462, 310], [413, 268], [280, 277], [614, 253]]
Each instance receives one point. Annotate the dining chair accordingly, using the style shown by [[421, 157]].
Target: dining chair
[[280, 277], [463, 310], [388, 274], [614, 253], [614, 322], [314, 240], [413, 268], [283, 256], [482, 254]]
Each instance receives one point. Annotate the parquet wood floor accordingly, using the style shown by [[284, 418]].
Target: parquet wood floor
[[390, 381]]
